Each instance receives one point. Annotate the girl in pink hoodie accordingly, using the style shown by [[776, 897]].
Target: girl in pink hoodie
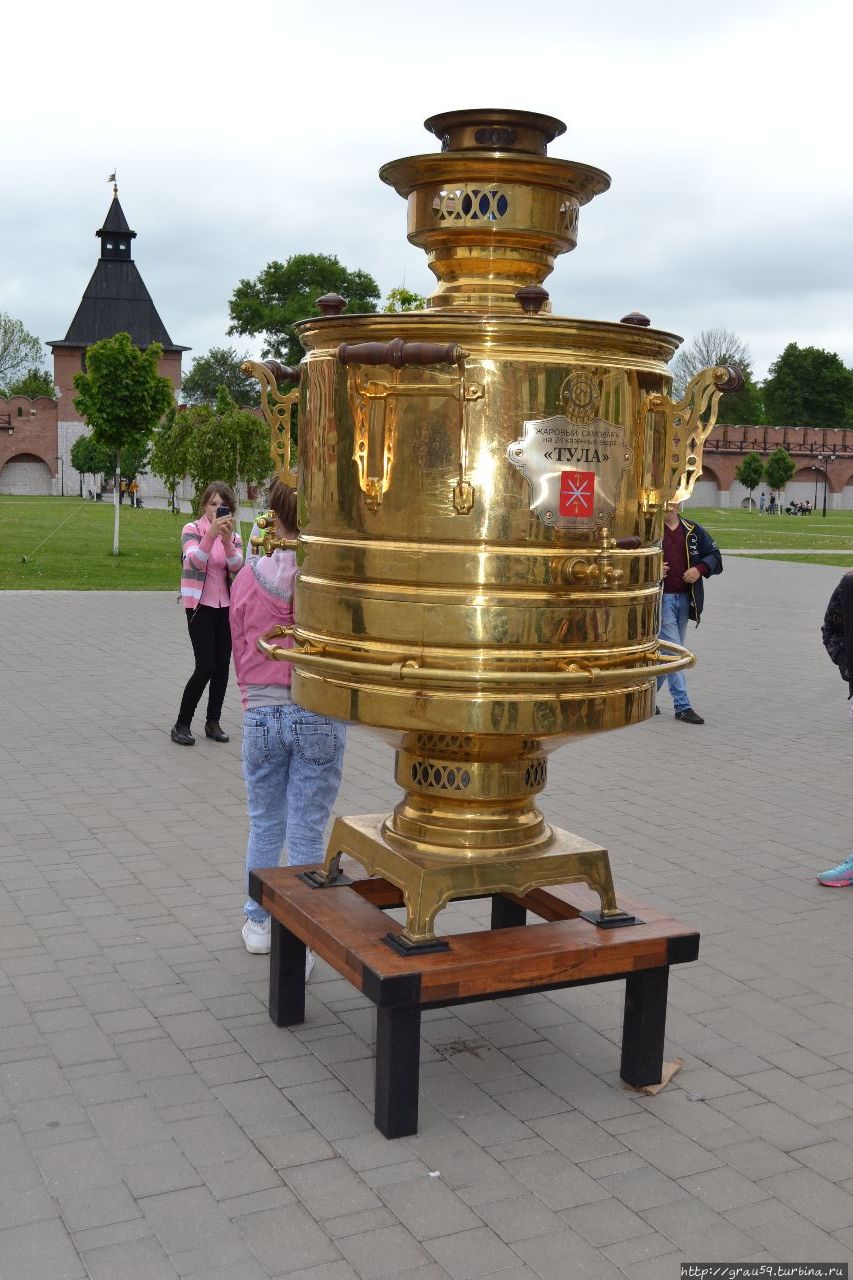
[[292, 758]]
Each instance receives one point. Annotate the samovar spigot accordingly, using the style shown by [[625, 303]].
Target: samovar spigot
[[266, 541]]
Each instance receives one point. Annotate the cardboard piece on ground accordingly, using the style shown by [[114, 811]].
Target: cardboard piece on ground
[[669, 1070]]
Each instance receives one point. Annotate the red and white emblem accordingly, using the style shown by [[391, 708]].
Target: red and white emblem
[[574, 469], [577, 494]]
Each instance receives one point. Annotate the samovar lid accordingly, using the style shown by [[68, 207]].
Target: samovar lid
[[495, 129]]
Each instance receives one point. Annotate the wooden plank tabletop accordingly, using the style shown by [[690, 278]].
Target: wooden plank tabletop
[[345, 926]]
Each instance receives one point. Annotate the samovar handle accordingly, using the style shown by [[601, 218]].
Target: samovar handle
[[688, 423], [398, 353], [277, 409], [408, 670]]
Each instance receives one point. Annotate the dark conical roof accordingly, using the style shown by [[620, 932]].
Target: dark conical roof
[[116, 299], [115, 223]]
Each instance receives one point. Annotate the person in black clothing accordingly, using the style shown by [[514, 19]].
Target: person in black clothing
[[690, 555], [837, 635]]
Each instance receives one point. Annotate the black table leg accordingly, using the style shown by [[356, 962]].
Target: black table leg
[[398, 1054], [287, 976], [643, 1026], [506, 913]]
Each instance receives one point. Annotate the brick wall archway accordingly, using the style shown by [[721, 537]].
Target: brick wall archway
[[26, 473]]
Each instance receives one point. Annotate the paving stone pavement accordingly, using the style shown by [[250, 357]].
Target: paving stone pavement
[[153, 1122]]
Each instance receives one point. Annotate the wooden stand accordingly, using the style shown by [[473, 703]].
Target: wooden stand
[[346, 925]]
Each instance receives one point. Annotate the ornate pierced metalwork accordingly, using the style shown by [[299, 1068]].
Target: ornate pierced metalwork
[[536, 775], [440, 777], [470, 204], [570, 212], [445, 742]]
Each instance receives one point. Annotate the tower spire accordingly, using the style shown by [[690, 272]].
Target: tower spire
[[115, 235]]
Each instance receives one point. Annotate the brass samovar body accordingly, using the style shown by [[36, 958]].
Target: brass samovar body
[[481, 495]]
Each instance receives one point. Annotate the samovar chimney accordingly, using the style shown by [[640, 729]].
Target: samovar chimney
[[492, 210]]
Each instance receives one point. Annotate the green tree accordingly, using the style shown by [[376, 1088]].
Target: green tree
[[19, 349], [134, 460], [169, 458], [779, 468], [35, 382], [404, 299], [91, 459], [285, 292], [219, 368], [742, 408], [225, 443], [750, 473], [122, 397], [808, 387]]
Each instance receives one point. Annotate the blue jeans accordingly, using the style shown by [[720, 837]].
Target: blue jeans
[[292, 763], [673, 626]]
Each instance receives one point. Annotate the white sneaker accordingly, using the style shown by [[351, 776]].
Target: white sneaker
[[257, 939], [256, 936]]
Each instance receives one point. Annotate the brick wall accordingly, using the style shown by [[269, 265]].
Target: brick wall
[[29, 427]]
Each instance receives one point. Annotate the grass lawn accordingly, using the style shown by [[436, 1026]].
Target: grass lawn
[[68, 546], [778, 534], [68, 543]]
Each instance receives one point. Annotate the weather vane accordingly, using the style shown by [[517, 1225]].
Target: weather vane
[[112, 179]]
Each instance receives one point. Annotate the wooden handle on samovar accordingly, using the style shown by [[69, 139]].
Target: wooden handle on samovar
[[284, 374], [398, 353]]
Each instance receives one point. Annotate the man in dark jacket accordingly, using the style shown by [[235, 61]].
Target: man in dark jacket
[[690, 555]]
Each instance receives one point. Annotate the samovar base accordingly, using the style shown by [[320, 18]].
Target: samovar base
[[428, 883]]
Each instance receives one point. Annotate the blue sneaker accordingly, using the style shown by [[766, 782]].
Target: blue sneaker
[[838, 877]]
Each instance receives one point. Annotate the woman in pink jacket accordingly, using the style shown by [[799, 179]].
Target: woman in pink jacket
[[292, 758], [211, 552]]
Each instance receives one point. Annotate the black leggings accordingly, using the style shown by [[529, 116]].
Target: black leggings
[[210, 634]]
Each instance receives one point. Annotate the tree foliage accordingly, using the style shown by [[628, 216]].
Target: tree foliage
[[169, 450], [779, 468], [808, 387], [403, 299], [286, 292], [212, 442], [19, 350], [750, 472], [33, 383], [219, 368], [122, 397], [708, 348], [90, 458], [134, 459], [742, 408]]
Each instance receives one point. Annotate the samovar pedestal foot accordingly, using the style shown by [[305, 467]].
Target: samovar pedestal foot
[[429, 880]]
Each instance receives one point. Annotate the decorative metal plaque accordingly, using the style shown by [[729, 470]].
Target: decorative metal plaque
[[574, 469]]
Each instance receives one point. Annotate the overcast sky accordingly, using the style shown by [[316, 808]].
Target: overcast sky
[[247, 132]]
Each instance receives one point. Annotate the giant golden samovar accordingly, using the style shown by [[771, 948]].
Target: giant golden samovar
[[481, 496]]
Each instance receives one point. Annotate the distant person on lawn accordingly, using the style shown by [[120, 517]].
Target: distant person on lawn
[[211, 553]]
